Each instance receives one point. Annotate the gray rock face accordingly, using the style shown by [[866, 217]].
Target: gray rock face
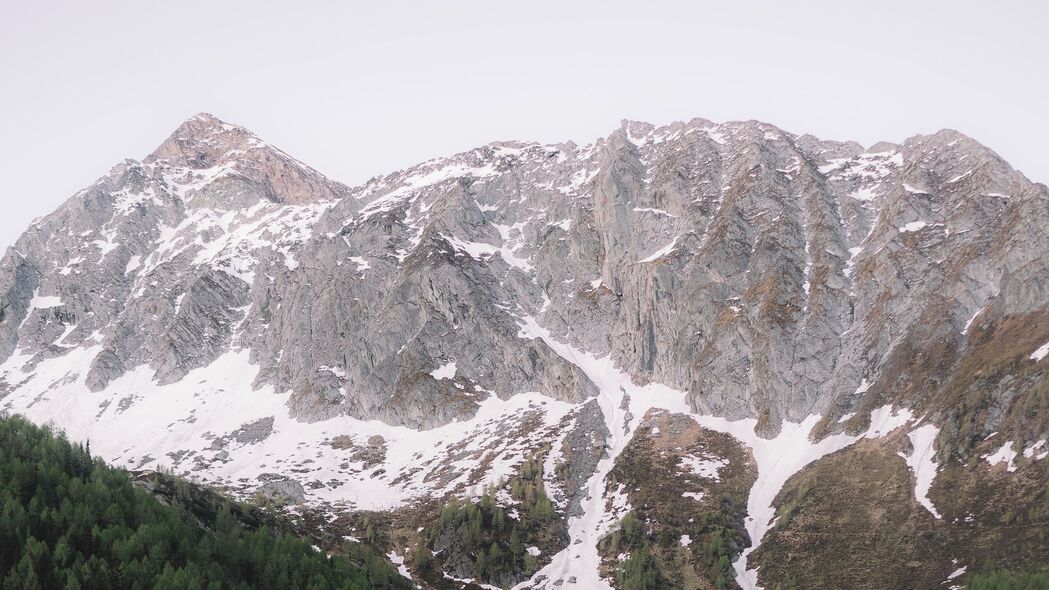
[[766, 274], [283, 490], [583, 447], [247, 434]]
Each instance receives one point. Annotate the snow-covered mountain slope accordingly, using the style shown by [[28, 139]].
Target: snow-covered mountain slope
[[223, 310]]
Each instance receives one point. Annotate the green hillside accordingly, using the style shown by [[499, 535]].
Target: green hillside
[[68, 521]]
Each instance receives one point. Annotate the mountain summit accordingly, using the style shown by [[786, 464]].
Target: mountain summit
[[720, 331], [204, 143]]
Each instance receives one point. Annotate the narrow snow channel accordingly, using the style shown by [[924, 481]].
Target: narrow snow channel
[[623, 405], [922, 462]]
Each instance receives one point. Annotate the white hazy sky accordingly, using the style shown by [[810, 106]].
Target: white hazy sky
[[357, 89]]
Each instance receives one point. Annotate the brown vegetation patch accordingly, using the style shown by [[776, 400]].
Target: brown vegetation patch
[[654, 472]]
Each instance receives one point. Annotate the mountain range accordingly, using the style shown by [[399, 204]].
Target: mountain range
[[696, 355]]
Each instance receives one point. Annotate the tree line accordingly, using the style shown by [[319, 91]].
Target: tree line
[[68, 521]]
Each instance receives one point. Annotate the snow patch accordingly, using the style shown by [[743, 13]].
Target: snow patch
[[976, 314], [863, 194], [337, 371], [707, 468], [1040, 352], [665, 250], [1006, 454], [361, 263], [922, 462], [104, 247], [651, 210], [484, 251], [45, 302], [912, 226], [564, 224], [1032, 451], [446, 371], [398, 560], [133, 264]]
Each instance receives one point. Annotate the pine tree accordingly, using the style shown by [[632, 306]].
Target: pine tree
[[516, 545], [422, 559], [71, 583], [498, 519]]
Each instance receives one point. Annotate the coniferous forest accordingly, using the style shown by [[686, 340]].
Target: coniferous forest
[[68, 521]]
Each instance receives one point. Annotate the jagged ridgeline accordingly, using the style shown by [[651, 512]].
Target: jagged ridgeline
[[701, 344], [68, 521]]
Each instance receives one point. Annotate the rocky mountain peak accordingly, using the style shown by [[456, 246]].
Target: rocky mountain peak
[[204, 141], [204, 149]]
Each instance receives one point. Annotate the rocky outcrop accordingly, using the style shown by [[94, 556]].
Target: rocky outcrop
[[280, 489]]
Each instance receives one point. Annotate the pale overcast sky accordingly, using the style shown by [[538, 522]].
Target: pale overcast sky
[[359, 89]]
